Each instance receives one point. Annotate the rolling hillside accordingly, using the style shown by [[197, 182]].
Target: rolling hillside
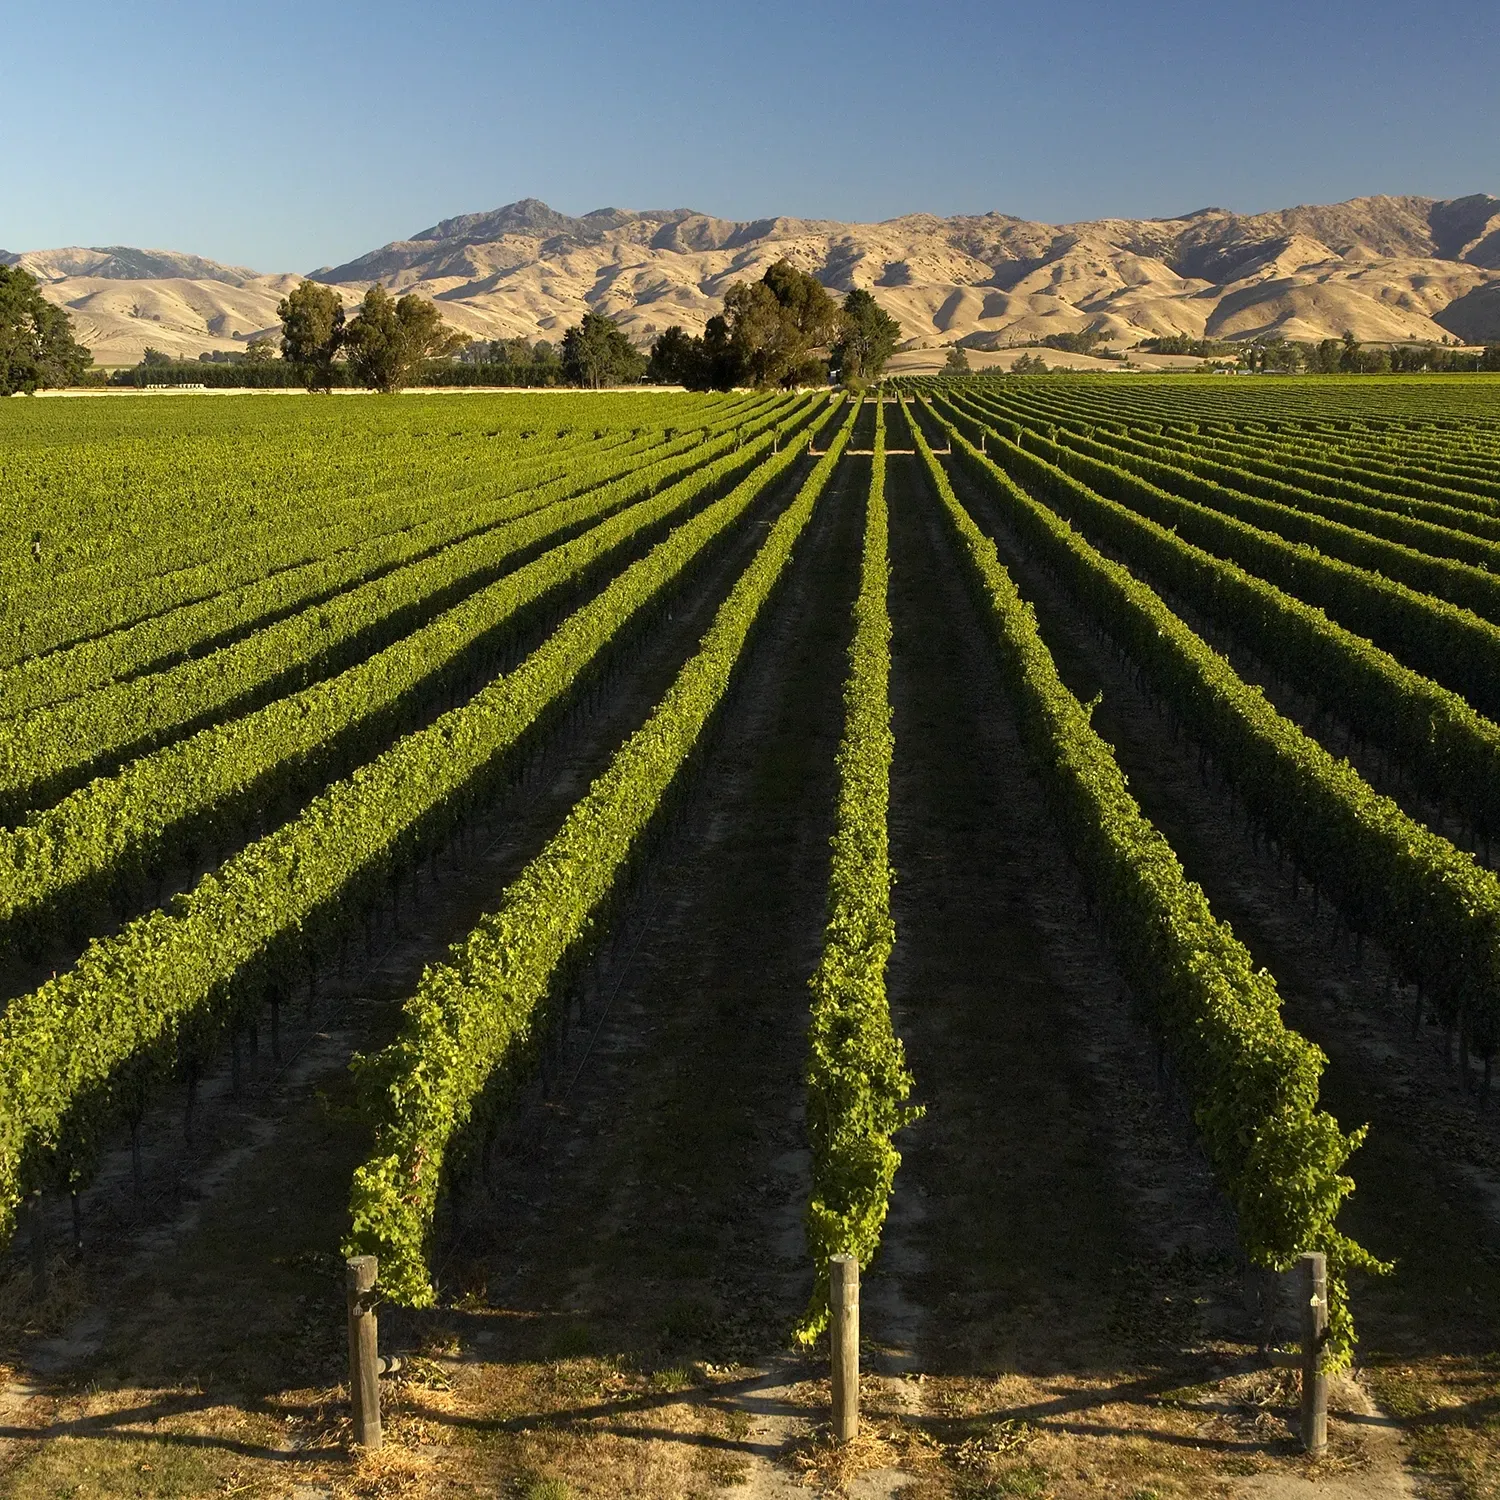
[[1385, 268]]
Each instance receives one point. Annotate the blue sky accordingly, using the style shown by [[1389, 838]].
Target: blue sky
[[287, 136]]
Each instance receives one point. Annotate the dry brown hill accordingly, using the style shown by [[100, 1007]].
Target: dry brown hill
[[1384, 268], [124, 300]]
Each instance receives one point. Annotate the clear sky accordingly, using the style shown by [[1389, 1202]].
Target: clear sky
[[288, 136]]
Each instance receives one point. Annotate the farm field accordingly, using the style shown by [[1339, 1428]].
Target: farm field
[[603, 854]]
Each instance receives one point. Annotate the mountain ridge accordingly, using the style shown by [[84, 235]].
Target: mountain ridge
[[1384, 267]]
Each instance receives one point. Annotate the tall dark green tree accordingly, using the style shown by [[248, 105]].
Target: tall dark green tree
[[723, 363], [676, 359], [37, 347], [957, 362], [1323, 358], [389, 339], [775, 325], [867, 338], [546, 363], [596, 352], [312, 332], [1280, 356]]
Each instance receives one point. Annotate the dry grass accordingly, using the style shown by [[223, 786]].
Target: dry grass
[[462, 1423], [1450, 1410], [830, 1467], [1099, 1440], [23, 1316], [391, 1473]]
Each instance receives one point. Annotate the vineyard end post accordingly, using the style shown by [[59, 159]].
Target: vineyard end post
[[843, 1335], [1314, 1336], [364, 1361]]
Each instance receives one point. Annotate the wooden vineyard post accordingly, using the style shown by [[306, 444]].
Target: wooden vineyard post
[[1314, 1336], [843, 1338], [364, 1362]]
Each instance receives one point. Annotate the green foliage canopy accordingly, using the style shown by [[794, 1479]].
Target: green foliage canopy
[[957, 362], [867, 339], [776, 323], [769, 334], [312, 332], [388, 340], [676, 358], [596, 352], [514, 361], [1085, 342], [857, 1078], [37, 347]]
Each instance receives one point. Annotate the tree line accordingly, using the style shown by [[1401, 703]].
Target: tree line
[[1347, 356], [388, 344], [1275, 356], [37, 347], [783, 330]]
